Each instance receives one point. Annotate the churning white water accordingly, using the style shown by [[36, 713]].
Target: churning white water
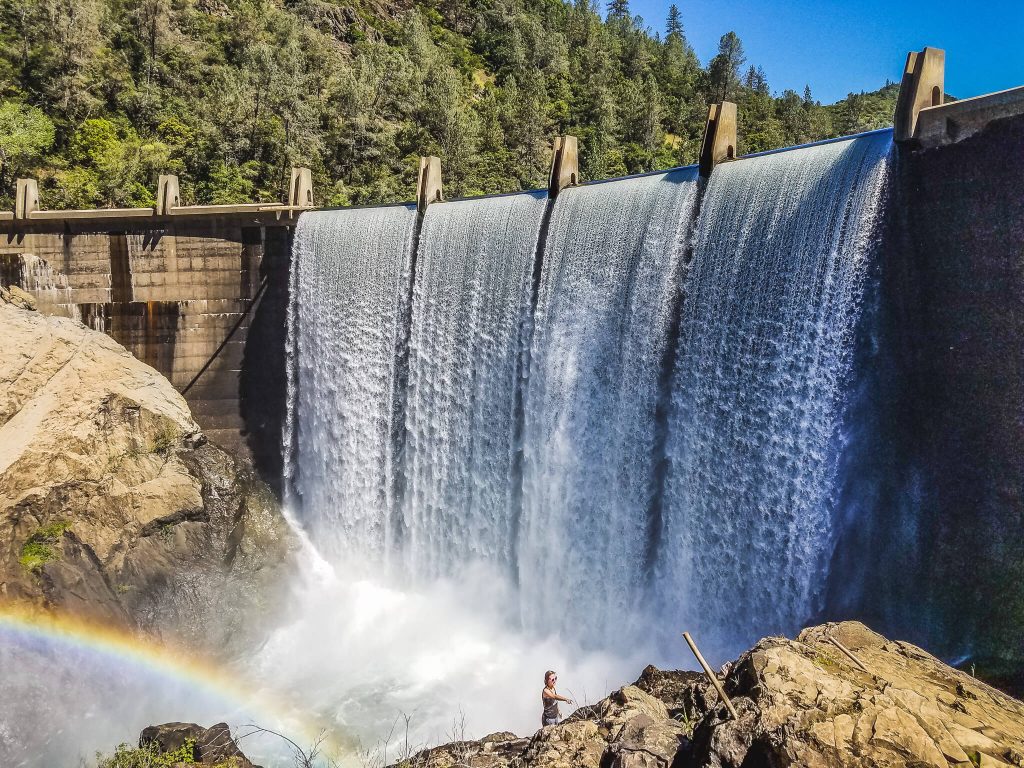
[[772, 298], [605, 312], [419, 615]]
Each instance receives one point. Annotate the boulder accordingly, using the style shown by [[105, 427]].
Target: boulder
[[113, 505], [804, 702], [571, 744], [679, 690], [16, 297], [496, 750], [210, 746]]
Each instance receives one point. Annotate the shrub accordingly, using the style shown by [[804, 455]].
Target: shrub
[[37, 550]]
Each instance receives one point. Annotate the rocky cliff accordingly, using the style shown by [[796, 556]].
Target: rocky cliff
[[800, 702], [113, 505]]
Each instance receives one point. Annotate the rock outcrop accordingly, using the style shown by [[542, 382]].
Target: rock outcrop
[[801, 703], [113, 505], [804, 703], [205, 746]]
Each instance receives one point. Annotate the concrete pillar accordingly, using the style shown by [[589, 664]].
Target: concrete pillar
[[429, 187], [167, 196], [26, 198], [922, 86], [719, 142], [300, 190], [565, 165]]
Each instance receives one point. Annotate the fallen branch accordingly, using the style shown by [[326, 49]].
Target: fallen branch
[[711, 676]]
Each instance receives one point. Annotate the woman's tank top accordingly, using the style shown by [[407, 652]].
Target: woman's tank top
[[550, 705]]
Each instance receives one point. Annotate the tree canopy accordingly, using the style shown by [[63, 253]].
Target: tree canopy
[[98, 97]]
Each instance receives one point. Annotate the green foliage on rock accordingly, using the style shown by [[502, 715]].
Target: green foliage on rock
[[98, 97], [148, 756], [38, 548]]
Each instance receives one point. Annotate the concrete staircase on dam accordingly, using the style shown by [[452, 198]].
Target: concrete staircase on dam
[[201, 292]]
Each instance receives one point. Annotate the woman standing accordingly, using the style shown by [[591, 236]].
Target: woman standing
[[549, 699]]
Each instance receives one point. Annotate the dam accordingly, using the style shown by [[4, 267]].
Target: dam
[[735, 396]]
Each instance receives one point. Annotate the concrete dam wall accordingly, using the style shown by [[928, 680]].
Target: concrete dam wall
[[203, 303]]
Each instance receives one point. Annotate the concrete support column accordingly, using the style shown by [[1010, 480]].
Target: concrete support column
[[26, 198], [719, 142], [428, 190], [922, 86], [300, 189], [167, 196], [565, 165]]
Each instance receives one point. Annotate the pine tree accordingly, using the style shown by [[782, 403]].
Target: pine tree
[[756, 80], [725, 67], [674, 24], [618, 9]]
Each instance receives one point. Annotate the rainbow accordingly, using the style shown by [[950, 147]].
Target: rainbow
[[21, 623]]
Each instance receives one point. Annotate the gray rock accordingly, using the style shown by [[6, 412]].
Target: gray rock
[[210, 746]]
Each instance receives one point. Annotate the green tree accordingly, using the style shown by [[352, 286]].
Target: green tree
[[618, 9], [25, 134], [724, 69], [229, 95], [674, 24]]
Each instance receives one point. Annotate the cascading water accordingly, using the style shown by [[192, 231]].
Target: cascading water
[[772, 298], [604, 320], [471, 308], [653, 447], [348, 322]]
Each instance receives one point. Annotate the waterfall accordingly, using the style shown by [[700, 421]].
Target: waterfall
[[648, 444], [471, 307], [772, 298], [604, 319], [348, 323]]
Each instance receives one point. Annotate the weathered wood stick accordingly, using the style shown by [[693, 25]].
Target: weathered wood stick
[[711, 676], [849, 654]]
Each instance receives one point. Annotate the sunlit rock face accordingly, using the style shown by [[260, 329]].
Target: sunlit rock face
[[866, 701], [113, 505]]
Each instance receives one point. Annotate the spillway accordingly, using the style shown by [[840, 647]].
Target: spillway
[[470, 317], [631, 415], [348, 330], [772, 302], [603, 325]]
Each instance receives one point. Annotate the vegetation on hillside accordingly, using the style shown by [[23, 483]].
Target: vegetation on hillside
[[97, 97]]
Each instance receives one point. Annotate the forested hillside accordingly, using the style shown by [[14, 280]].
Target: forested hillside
[[97, 97]]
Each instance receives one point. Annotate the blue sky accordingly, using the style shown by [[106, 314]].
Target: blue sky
[[839, 47]]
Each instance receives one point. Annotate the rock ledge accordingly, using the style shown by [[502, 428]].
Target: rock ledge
[[801, 703]]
